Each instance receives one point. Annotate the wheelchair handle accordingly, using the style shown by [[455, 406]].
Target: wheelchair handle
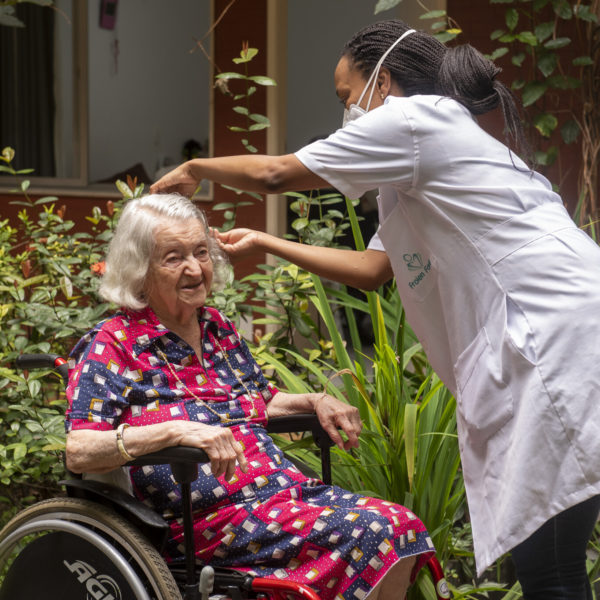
[[44, 361]]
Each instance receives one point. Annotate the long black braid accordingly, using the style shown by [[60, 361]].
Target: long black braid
[[420, 64]]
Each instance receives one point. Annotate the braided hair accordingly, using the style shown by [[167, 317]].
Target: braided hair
[[421, 64]]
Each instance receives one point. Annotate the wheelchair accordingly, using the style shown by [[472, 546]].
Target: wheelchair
[[101, 543]]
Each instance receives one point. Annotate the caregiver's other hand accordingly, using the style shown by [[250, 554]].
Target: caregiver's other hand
[[181, 180], [333, 415], [239, 242]]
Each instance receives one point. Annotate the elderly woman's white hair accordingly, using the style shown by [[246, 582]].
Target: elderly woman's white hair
[[131, 248]]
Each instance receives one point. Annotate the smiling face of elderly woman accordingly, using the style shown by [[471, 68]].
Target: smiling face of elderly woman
[[181, 270], [161, 255]]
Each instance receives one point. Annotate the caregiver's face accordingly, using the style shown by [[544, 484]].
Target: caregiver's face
[[349, 83], [181, 270]]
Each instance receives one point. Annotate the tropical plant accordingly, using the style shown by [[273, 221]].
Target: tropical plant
[[49, 277]]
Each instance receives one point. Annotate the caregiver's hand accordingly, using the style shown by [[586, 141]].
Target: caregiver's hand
[[183, 180], [238, 242]]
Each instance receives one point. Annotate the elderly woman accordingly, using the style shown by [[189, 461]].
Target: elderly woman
[[167, 370]]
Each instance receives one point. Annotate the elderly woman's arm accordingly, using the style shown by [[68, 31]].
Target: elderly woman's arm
[[333, 414], [94, 451]]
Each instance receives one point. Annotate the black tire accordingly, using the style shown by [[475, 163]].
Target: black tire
[[148, 564]]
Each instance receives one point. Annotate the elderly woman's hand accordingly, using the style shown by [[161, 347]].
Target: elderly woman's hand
[[334, 415], [224, 451]]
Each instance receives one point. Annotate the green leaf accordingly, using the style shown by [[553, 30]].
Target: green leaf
[[242, 110], [262, 80], [498, 33], [498, 53], [433, 14], [545, 123], [258, 126], [507, 38], [20, 451], [246, 56], [563, 82], [258, 118], [583, 12], [230, 75], [410, 438], [546, 159], [249, 146], [123, 190], [570, 131], [511, 18], [66, 286], [517, 59], [547, 63], [544, 30], [556, 43], [300, 224], [527, 37], [224, 205], [25, 185], [563, 9], [236, 128], [532, 92], [583, 61], [385, 5], [447, 36]]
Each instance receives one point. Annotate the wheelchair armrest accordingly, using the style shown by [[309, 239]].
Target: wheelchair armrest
[[183, 460], [175, 454], [301, 422], [190, 455]]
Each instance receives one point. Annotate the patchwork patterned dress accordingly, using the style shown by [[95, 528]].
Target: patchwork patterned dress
[[272, 521]]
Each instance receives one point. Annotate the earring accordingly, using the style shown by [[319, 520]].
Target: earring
[[381, 95]]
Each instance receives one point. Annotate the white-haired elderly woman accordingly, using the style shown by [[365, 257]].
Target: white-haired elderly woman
[[168, 370]]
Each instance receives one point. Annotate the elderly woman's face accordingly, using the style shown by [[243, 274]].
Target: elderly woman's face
[[181, 270]]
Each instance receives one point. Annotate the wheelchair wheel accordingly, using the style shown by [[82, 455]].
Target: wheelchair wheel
[[74, 548]]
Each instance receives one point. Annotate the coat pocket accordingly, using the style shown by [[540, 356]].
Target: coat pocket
[[484, 400]]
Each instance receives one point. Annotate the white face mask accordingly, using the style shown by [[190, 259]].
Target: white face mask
[[355, 111]]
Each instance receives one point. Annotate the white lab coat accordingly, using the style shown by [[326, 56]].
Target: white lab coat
[[503, 291]]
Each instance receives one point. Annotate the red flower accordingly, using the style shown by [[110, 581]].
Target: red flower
[[98, 268]]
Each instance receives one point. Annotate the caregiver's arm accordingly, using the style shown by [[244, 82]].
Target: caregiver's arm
[[253, 172], [366, 270]]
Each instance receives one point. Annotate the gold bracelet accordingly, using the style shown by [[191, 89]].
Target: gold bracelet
[[120, 445]]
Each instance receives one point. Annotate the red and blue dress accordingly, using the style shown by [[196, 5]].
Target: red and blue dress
[[272, 521]]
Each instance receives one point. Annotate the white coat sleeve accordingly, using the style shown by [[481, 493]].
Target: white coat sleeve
[[375, 150]]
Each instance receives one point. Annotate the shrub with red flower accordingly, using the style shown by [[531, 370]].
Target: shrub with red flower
[[98, 268]]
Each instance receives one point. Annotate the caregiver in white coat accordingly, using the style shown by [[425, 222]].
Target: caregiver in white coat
[[500, 286]]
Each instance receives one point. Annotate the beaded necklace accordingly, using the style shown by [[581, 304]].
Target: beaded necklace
[[223, 419]]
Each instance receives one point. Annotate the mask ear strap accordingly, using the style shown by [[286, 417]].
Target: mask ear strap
[[375, 73]]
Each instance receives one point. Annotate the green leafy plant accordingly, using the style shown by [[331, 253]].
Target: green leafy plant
[[49, 275], [252, 121]]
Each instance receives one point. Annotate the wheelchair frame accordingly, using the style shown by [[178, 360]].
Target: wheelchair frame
[[95, 511]]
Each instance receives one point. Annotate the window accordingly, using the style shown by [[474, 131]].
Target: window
[[92, 99]]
